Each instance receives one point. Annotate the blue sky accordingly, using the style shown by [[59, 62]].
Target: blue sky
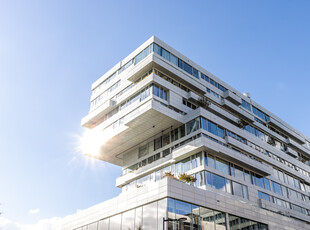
[[52, 51]]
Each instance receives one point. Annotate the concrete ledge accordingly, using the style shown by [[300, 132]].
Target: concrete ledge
[[232, 97]]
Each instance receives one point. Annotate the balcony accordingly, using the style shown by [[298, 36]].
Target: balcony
[[92, 118], [142, 122], [291, 152], [286, 130], [232, 97], [237, 110], [297, 146]]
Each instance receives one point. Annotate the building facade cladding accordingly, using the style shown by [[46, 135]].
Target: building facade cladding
[[251, 170]]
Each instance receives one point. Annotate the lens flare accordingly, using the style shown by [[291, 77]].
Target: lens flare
[[91, 142]]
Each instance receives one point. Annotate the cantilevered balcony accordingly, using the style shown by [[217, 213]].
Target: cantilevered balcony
[[142, 122]]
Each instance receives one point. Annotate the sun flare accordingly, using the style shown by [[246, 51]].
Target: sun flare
[[91, 142]]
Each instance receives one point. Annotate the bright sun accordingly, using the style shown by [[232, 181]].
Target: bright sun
[[91, 142]]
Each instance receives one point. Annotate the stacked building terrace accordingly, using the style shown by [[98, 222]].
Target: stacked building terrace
[[163, 118]]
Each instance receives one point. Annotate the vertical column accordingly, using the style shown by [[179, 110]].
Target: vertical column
[[227, 221]]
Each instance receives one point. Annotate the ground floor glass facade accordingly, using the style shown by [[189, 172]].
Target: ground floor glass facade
[[178, 215]]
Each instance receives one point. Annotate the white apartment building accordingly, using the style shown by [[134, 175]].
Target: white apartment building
[[195, 152]]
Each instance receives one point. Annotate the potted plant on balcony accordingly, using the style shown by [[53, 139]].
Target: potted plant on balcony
[[187, 178], [170, 175]]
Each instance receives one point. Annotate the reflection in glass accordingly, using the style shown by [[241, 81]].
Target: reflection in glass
[[183, 210], [149, 215], [237, 188], [207, 219], [161, 212], [138, 217], [128, 220], [115, 222], [103, 224], [218, 182], [92, 226], [222, 166], [220, 220]]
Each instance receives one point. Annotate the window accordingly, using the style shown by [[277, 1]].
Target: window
[[245, 192], [247, 177], [192, 126], [166, 152], [200, 179], [267, 184], [195, 73], [165, 54], [246, 105], [238, 171], [237, 189], [218, 182], [259, 181], [222, 166], [212, 128], [264, 196], [197, 160], [174, 59], [276, 188], [203, 123], [166, 139], [157, 143], [160, 92], [183, 166], [143, 150], [211, 161], [228, 186], [156, 90], [221, 132], [115, 222], [208, 178]]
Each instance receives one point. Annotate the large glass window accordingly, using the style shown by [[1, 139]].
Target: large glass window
[[166, 139], [92, 226], [138, 218], [103, 224], [165, 54], [208, 178], [115, 222], [228, 186], [207, 218], [247, 176], [276, 188], [197, 160], [221, 132], [238, 172], [237, 189], [149, 215], [143, 150], [211, 161], [203, 123], [192, 126], [267, 184], [246, 105], [212, 128], [183, 166], [157, 143], [220, 220], [156, 90], [218, 182], [222, 166], [183, 210], [264, 196], [174, 59], [259, 181], [128, 220], [200, 179]]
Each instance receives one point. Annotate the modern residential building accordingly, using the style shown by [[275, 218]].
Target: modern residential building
[[195, 152]]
